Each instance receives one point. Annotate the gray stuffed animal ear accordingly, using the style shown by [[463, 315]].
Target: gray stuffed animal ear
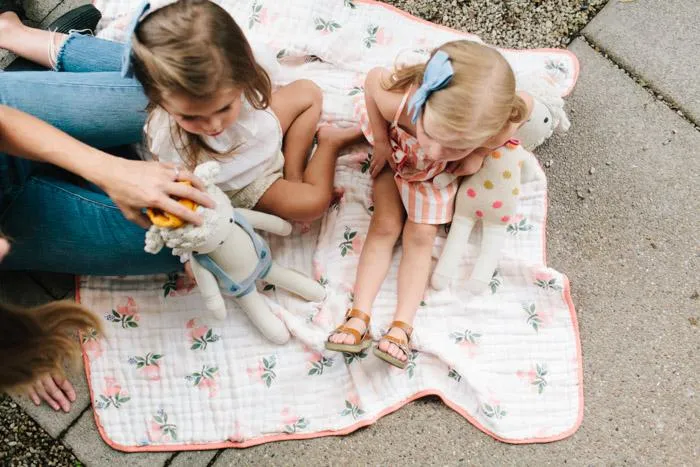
[[548, 114]]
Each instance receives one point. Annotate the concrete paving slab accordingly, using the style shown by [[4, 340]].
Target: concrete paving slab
[[85, 442], [192, 458], [59, 286], [62, 8], [37, 10], [630, 250], [658, 41], [55, 422]]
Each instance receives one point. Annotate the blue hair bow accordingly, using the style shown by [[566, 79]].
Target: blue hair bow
[[127, 62], [437, 75]]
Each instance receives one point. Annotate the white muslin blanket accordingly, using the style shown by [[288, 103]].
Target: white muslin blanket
[[168, 376]]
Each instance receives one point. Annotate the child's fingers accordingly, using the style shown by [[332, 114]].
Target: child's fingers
[[65, 386], [33, 396], [56, 394], [43, 395]]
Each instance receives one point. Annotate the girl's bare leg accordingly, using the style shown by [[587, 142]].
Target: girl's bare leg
[[298, 108], [308, 199], [414, 271], [375, 259], [26, 42]]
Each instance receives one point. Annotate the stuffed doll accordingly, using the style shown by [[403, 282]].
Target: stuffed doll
[[491, 194], [228, 257]]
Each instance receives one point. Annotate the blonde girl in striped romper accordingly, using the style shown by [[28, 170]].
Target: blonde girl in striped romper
[[423, 120]]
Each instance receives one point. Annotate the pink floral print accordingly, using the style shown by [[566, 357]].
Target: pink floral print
[[292, 423], [205, 379], [352, 407], [148, 365], [178, 285], [351, 244], [160, 430], [126, 314], [92, 343], [535, 376], [547, 282], [112, 395], [264, 371], [326, 26], [519, 224], [200, 335], [317, 361]]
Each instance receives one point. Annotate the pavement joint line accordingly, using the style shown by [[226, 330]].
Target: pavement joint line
[[216, 456], [65, 431], [170, 459], [657, 94], [49, 13], [46, 289]]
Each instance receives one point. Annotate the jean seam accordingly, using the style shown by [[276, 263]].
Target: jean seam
[[70, 193]]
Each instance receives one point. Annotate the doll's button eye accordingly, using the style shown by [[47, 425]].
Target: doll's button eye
[[221, 243], [230, 220], [546, 119]]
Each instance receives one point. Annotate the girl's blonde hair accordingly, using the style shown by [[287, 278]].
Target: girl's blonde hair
[[194, 47], [37, 341], [479, 100]]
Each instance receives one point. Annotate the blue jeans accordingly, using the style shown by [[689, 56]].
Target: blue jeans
[[57, 221]]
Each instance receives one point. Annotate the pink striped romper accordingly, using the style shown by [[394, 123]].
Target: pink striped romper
[[424, 201]]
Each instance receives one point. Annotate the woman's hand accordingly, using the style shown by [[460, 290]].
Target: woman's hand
[[380, 154], [4, 248], [134, 185]]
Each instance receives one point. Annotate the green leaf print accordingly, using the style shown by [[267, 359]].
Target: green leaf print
[[454, 374], [318, 366], [349, 3], [352, 409], [533, 319], [352, 357], [496, 281], [494, 411]]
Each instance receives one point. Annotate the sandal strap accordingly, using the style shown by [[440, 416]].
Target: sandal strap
[[405, 327], [402, 344], [355, 313], [348, 330]]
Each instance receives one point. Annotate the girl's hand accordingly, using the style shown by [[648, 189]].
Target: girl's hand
[[56, 390], [381, 153], [470, 164], [134, 185]]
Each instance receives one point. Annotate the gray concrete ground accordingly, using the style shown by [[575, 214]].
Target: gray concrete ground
[[625, 233]]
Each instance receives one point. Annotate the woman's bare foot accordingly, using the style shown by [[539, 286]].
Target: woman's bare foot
[[339, 137], [391, 348], [344, 338]]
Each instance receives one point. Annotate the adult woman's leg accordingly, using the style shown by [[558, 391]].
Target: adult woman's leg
[[88, 99], [62, 225]]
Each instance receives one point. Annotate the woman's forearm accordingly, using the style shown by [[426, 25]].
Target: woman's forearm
[[25, 136]]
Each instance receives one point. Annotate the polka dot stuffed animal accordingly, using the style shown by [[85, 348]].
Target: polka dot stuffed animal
[[490, 196]]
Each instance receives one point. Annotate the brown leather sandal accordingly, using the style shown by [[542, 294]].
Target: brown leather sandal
[[402, 344], [362, 341]]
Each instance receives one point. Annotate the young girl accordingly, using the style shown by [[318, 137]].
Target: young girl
[[210, 99], [446, 115]]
